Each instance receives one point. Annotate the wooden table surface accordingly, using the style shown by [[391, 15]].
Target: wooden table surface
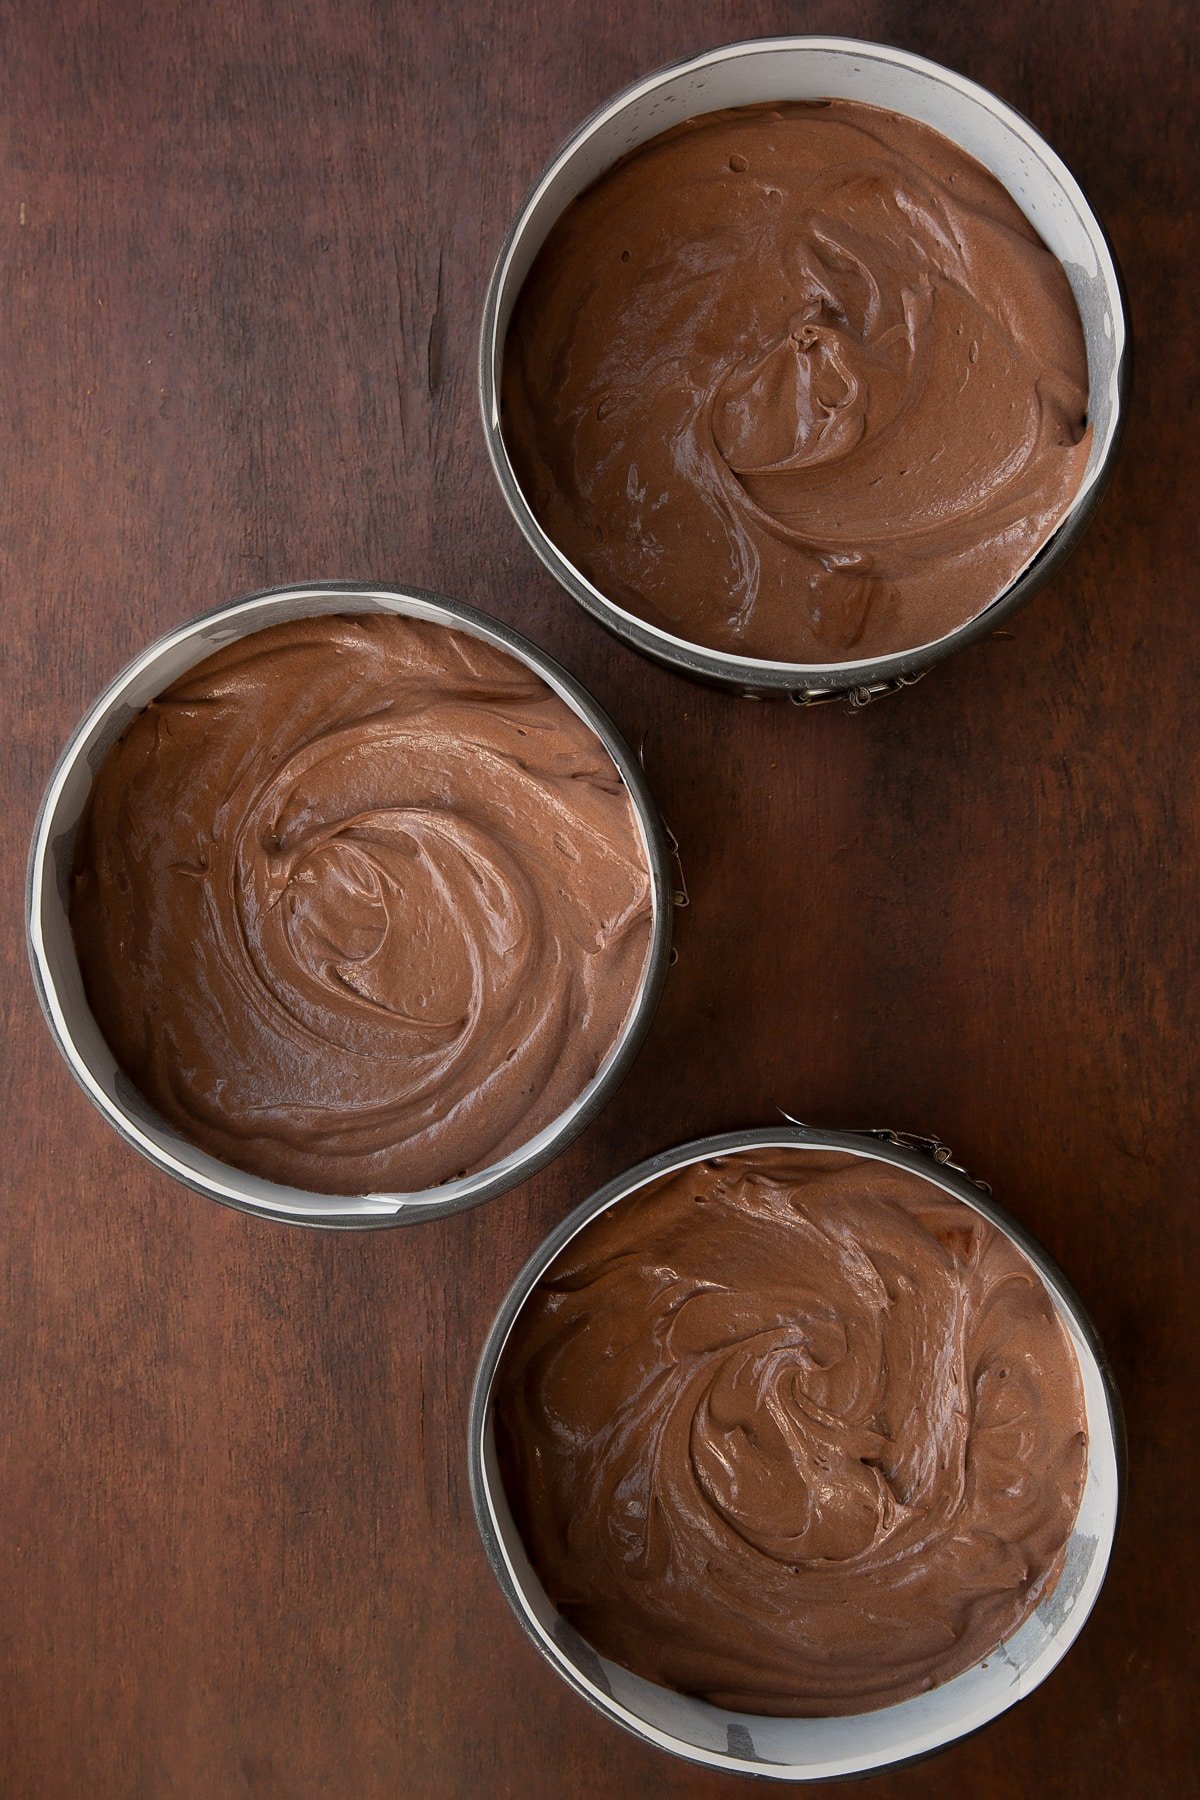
[[244, 252]]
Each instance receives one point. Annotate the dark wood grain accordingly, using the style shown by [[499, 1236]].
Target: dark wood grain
[[242, 258]]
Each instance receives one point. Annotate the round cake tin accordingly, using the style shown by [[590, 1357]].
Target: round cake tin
[[818, 68], [813, 1749], [56, 970]]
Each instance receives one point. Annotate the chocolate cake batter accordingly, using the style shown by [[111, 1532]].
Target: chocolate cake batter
[[792, 1432], [360, 904], [797, 382]]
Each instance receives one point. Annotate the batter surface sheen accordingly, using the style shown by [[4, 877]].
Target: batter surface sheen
[[793, 1432], [797, 382], [360, 904]]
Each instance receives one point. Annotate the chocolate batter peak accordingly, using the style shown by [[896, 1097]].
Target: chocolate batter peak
[[797, 382], [792, 1432], [360, 904]]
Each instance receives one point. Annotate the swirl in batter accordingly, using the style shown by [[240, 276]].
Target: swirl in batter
[[794, 1432], [360, 904], [797, 382]]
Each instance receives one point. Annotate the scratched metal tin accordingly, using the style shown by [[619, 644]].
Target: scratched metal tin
[[816, 68], [813, 1749], [56, 970]]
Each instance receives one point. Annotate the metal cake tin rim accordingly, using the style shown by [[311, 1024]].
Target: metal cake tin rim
[[377, 1210], [763, 674], [621, 1187]]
